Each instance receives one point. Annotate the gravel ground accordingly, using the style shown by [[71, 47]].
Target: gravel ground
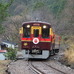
[[60, 67], [46, 69], [19, 67], [22, 67]]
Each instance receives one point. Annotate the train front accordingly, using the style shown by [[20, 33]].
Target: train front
[[36, 40]]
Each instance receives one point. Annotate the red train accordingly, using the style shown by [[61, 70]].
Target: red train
[[38, 40]]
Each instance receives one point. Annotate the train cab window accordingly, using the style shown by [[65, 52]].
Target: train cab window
[[36, 32], [45, 32], [26, 32]]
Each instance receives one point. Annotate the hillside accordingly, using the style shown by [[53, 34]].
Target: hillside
[[60, 13]]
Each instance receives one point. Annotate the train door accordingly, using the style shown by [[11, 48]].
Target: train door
[[36, 34]]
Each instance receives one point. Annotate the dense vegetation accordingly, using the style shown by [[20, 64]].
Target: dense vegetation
[[11, 54], [3, 13], [58, 12]]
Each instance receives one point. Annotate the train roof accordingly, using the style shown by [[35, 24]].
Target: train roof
[[8, 42], [36, 22]]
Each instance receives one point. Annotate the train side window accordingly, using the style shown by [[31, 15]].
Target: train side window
[[45, 32], [36, 32], [26, 32]]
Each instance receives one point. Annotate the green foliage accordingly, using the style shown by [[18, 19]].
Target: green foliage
[[11, 54], [38, 5], [1, 29], [3, 12], [65, 37], [56, 6]]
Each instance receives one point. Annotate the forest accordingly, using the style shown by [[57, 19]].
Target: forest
[[60, 13]]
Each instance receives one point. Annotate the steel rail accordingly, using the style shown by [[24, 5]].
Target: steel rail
[[54, 68], [34, 69]]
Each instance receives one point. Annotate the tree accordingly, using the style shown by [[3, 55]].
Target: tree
[[4, 12]]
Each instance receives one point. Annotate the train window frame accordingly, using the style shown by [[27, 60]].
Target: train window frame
[[44, 34], [35, 32], [26, 32]]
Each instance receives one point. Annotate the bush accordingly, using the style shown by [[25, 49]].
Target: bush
[[69, 53], [69, 56], [11, 54]]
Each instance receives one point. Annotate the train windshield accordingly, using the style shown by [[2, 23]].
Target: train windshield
[[26, 32], [36, 32], [45, 32]]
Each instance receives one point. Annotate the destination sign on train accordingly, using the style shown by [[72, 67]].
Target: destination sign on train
[[36, 24]]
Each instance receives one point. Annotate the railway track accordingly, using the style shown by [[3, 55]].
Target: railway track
[[35, 69], [49, 68], [54, 68]]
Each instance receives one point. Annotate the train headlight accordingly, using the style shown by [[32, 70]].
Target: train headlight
[[28, 26], [25, 44], [44, 26]]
